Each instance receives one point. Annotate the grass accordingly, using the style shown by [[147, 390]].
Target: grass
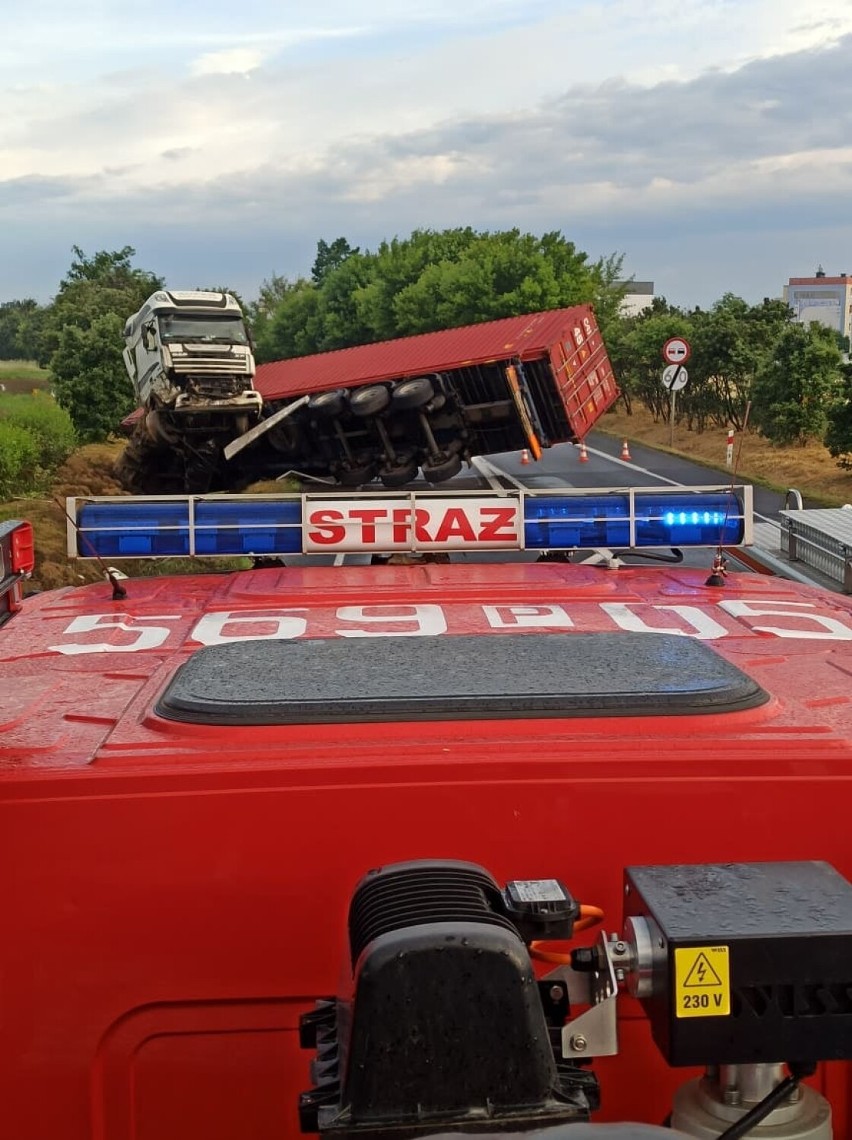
[[22, 376], [809, 469]]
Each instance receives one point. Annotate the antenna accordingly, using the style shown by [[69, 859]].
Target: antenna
[[719, 569], [118, 591]]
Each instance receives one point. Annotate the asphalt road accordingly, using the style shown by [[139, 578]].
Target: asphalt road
[[561, 466]]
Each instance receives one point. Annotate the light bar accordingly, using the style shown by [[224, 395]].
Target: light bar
[[387, 522]]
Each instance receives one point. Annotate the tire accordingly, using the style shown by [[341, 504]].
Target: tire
[[328, 404], [442, 470], [128, 470], [399, 474], [356, 476], [369, 401], [160, 430], [143, 468], [409, 394], [283, 437]]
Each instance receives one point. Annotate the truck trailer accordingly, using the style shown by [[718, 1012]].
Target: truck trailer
[[390, 410], [478, 841]]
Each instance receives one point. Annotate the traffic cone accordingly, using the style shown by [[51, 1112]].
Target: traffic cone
[[625, 451], [584, 455], [525, 458]]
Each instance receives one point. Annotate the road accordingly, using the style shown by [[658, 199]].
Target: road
[[561, 465]]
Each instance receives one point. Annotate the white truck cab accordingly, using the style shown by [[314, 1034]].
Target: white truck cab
[[190, 353]]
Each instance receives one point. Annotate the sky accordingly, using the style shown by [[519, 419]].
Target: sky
[[709, 142]]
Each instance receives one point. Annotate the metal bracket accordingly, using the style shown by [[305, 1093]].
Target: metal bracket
[[606, 556], [594, 1033]]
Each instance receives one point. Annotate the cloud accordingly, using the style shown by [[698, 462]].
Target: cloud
[[175, 153], [232, 61], [489, 129]]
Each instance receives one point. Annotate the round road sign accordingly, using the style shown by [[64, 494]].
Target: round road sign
[[676, 350], [675, 377]]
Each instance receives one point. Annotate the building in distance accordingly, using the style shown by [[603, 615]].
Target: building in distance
[[826, 300], [638, 297]]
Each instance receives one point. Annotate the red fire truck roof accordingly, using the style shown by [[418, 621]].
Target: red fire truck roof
[[81, 675]]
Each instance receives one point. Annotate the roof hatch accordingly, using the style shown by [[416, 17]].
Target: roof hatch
[[483, 677]]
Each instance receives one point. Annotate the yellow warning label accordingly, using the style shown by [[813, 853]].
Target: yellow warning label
[[702, 982]]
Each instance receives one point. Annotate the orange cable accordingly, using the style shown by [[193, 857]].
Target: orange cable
[[589, 916]]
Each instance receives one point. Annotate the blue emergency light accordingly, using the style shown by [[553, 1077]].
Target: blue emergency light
[[269, 526], [640, 520]]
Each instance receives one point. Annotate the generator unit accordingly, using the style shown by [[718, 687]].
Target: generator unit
[[446, 1025]]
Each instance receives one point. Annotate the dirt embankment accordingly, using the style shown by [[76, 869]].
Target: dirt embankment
[[89, 471]]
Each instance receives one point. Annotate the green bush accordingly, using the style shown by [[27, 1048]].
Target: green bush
[[19, 460], [48, 424]]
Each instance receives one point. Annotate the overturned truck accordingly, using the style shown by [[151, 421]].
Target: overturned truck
[[423, 404]]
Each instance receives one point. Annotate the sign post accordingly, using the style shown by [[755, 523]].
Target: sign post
[[729, 453], [676, 352]]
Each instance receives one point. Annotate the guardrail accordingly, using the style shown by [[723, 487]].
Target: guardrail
[[821, 539]]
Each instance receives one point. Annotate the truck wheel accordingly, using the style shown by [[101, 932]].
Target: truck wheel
[[159, 429], [357, 476], [128, 470], [328, 404], [284, 437], [369, 401], [398, 474], [441, 470], [414, 393]]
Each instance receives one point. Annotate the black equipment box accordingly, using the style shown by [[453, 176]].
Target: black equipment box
[[750, 962]]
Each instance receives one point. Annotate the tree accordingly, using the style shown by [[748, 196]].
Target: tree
[[84, 337], [330, 257], [793, 392], [294, 326], [635, 345], [731, 342], [436, 280], [89, 376], [272, 292], [16, 324], [429, 280], [103, 283], [838, 437]]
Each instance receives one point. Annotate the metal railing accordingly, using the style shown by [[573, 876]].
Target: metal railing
[[821, 539]]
